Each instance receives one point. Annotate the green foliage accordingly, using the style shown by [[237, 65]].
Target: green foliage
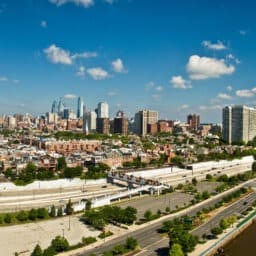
[[37, 251], [88, 205], [69, 209], [72, 172], [205, 195], [53, 211], [49, 251], [60, 244], [22, 216], [136, 163], [105, 234], [88, 240], [32, 214], [42, 213], [107, 214], [8, 218], [131, 243], [176, 250], [60, 212], [217, 230], [61, 163], [98, 171]]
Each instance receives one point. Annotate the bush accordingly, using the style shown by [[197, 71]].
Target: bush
[[49, 251], [42, 213], [105, 234], [22, 216], [37, 251], [8, 218], [32, 214], [60, 244], [88, 240], [131, 243], [217, 230]]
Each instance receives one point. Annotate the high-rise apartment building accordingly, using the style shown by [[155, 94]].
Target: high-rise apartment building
[[144, 118], [239, 124], [103, 125], [90, 121], [102, 110], [193, 121], [121, 123], [80, 107]]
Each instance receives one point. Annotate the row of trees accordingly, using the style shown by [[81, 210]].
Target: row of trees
[[109, 214]]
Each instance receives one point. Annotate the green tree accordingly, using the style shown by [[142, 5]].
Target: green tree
[[217, 230], [194, 181], [53, 211], [88, 205], [60, 212], [49, 251], [131, 243], [8, 218], [176, 250], [60, 244], [205, 195], [32, 214], [61, 163], [69, 208], [37, 251], [22, 216], [224, 224], [42, 213], [254, 166], [148, 215]]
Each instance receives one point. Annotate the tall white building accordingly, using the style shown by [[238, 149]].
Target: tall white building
[[103, 110], [142, 119], [90, 121], [239, 124]]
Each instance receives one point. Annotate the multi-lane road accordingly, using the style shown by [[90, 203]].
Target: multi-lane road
[[152, 243]]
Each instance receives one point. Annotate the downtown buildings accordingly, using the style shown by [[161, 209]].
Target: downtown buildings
[[239, 124]]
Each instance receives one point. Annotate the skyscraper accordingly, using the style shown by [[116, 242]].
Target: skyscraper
[[60, 107], [103, 110], [80, 107], [239, 124], [90, 121], [121, 123], [193, 121], [54, 107], [144, 118]]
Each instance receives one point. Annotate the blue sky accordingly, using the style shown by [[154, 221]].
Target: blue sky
[[173, 56]]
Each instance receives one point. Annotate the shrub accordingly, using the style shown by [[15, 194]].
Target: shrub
[[32, 214], [22, 216], [8, 218]]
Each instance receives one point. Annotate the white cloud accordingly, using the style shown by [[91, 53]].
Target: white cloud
[[159, 88], [180, 83], [84, 3], [224, 96], [229, 88], [242, 32], [202, 107], [245, 93], [84, 55], [58, 55], [150, 85], [214, 46], [98, 73], [118, 66], [3, 79], [109, 1], [232, 57], [185, 106], [204, 67], [15, 81], [69, 96], [43, 24], [81, 72]]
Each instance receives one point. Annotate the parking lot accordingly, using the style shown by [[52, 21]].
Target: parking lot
[[158, 202]]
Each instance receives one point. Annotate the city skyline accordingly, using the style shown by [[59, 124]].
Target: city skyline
[[148, 55]]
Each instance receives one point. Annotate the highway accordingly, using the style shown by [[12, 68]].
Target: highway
[[148, 237], [10, 202]]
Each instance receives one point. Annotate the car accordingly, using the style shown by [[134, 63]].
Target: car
[[104, 186], [211, 236], [245, 203]]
